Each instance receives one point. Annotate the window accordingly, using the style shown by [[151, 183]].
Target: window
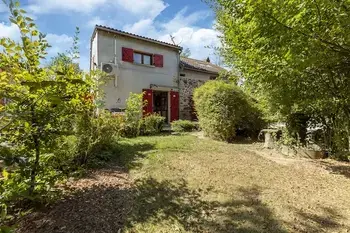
[[138, 58], [183, 75], [147, 60], [212, 77], [141, 58]]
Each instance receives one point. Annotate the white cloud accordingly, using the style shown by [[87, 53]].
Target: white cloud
[[197, 40], [46, 6], [143, 27], [59, 43], [10, 31], [144, 8], [182, 28], [96, 21], [181, 20]]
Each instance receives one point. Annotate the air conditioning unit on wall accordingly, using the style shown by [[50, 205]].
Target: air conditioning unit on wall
[[111, 70]]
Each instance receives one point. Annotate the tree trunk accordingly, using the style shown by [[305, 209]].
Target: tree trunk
[[35, 166], [37, 152]]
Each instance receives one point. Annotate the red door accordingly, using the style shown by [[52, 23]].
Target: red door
[[174, 106], [148, 100]]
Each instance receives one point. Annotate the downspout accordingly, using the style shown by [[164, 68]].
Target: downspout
[[115, 51], [178, 79]]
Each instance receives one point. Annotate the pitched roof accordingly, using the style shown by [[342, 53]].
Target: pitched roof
[[128, 34], [202, 66]]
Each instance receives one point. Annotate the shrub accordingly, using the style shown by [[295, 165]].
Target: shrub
[[65, 153], [222, 107], [133, 115], [95, 135], [252, 122], [152, 124], [184, 126]]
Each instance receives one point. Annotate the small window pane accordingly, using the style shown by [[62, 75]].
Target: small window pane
[[147, 60], [137, 58]]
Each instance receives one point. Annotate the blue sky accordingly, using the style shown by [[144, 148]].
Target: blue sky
[[191, 22]]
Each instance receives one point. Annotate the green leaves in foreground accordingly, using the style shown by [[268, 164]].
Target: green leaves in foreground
[[294, 56]]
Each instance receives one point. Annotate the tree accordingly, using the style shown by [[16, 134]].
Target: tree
[[207, 60], [43, 103], [186, 53], [294, 56], [68, 60]]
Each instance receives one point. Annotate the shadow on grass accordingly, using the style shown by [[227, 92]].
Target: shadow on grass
[[103, 208], [158, 201], [129, 154], [337, 168], [325, 220]]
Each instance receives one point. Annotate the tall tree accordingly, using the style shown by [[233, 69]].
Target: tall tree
[[43, 102], [294, 55]]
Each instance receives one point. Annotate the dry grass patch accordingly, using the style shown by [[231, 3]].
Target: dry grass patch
[[187, 184]]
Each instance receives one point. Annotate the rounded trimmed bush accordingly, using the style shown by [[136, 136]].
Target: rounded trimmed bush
[[221, 108]]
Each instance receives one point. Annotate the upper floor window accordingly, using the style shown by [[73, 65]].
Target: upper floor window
[[129, 55], [142, 58]]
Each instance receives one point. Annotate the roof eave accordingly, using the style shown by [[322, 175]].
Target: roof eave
[[137, 37], [202, 71]]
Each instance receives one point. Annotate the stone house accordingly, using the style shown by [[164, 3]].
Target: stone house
[[139, 64], [193, 73]]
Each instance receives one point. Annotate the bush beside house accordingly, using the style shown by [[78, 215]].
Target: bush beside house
[[152, 124], [223, 108]]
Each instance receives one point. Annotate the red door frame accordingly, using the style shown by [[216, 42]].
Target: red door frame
[[174, 105]]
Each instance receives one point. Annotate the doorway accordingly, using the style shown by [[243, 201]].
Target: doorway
[[160, 104]]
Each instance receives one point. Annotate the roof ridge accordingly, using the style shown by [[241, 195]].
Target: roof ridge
[[135, 35], [202, 61]]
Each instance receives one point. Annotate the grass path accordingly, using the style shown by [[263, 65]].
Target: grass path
[[186, 184]]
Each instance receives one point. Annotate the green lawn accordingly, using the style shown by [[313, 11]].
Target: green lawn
[[199, 185], [187, 184]]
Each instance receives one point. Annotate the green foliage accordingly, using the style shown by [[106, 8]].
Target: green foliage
[[222, 108], [252, 121], [294, 57], [44, 105], [152, 124], [96, 135], [133, 115], [184, 126]]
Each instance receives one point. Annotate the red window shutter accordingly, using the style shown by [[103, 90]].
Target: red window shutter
[[148, 99], [174, 107], [158, 60], [127, 54]]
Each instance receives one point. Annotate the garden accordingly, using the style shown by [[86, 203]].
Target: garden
[[68, 165]]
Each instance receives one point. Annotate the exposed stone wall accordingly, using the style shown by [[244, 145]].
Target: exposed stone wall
[[187, 85]]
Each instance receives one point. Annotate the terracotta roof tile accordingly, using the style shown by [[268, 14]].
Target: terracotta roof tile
[[198, 65]]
